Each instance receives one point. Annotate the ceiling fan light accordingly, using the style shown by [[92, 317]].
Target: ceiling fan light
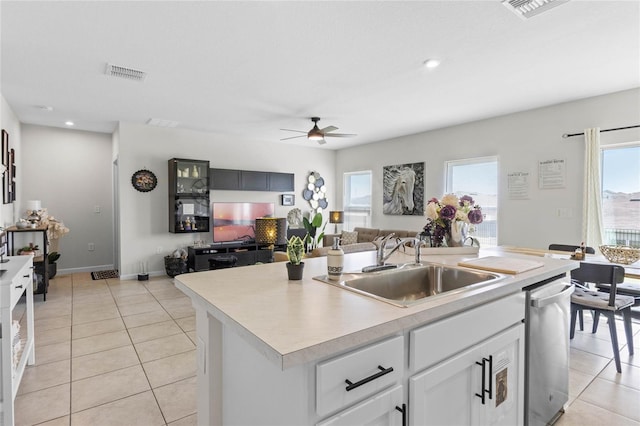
[[315, 136]]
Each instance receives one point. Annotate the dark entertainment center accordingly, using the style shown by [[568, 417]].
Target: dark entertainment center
[[191, 211]]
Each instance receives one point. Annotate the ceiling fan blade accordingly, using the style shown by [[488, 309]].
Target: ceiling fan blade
[[340, 135], [321, 142], [293, 137], [328, 129], [291, 130]]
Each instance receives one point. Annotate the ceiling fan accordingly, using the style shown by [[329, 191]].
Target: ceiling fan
[[317, 134]]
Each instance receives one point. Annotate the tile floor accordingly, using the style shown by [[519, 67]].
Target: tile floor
[[111, 352], [114, 352]]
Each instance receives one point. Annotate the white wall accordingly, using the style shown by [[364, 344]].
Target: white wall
[[10, 123], [144, 216], [520, 140], [70, 172]]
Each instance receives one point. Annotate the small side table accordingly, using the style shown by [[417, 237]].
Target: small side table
[[42, 229]]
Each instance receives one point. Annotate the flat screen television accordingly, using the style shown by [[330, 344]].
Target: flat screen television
[[235, 222]]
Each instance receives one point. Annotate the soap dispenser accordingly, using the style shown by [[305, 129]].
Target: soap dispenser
[[335, 260]]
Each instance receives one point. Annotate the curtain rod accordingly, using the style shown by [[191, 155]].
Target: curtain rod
[[568, 135]]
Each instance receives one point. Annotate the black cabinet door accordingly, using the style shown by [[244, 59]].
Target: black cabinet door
[[281, 182], [225, 179], [254, 181]]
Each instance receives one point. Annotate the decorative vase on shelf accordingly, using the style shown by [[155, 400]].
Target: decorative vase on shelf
[[458, 234], [295, 271]]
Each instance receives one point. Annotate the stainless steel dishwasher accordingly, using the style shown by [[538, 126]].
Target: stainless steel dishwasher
[[547, 350]]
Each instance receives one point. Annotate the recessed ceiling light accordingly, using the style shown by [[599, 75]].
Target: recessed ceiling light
[[431, 63], [69, 123]]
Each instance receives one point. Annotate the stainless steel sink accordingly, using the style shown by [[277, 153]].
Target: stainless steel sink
[[410, 284]]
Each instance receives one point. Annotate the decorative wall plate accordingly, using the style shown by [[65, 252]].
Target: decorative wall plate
[[144, 180]]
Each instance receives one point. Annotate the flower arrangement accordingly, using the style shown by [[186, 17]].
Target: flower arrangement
[[445, 216], [55, 227]]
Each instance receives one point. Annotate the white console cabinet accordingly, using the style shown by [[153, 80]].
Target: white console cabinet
[[16, 280]]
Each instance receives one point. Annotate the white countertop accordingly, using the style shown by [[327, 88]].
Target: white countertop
[[294, 322]]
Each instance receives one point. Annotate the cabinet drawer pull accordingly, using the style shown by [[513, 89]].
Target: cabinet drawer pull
[[19, 286], [366, 380], [403, 410], [26, 276], [481, 394]]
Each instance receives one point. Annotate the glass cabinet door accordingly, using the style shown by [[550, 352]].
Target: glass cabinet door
[[189, 207]]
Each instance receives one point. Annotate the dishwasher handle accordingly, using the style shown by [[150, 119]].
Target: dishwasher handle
[[554, 298]]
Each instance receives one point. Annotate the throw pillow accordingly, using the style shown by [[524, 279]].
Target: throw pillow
[[348, 237]]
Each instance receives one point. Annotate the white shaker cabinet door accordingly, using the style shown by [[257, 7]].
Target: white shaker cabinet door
[[454, 392]]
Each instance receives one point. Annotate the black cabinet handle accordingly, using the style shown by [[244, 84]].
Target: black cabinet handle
[[481, 394], [26, 276], [484, 376], [403, 410], [19, 286], [380, 373]]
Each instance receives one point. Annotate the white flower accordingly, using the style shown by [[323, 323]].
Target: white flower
[[431, 211], [450, 200]]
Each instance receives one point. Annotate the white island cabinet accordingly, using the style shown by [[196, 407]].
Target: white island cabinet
[[278, 352], [16, 280]]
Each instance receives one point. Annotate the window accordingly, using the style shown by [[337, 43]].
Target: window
[[357, 199], [621, 194], [477, 177]]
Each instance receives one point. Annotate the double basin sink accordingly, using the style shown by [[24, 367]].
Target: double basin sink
[[407, 284]]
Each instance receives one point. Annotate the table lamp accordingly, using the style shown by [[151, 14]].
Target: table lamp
[[271, 231], [336, 217]]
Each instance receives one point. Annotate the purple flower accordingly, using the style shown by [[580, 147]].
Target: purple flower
[[448, 212], [475, 216], [466, 198]]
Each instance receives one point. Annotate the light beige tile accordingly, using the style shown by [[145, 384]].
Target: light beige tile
[[187, 323], [167, 293], [140, 308], [578, 382], [145, 319], [79, 331], [163, 347], [619, 399], [60, 421], [177, 400], [53, 322], [171, 369], [191, 420], [629, 377], [49, 337], [43, 376], [103, 362], [95, 315], [140, 409], [108, 387], [587, 362], [53, 352], [154, 331], [588, 343], [581, 413], [41, 406], [101, 342], [138, 298]]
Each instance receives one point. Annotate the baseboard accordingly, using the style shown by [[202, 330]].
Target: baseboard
[[67, 271]]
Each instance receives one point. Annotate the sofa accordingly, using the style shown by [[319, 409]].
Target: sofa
[[360, 239]]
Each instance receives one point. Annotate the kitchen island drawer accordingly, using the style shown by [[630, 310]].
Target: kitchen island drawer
[[349, 378], [440, 340]]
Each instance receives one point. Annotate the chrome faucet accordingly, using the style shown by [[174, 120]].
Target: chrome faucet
[[381, 243]]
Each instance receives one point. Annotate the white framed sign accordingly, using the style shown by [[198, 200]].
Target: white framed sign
[[552, 174]]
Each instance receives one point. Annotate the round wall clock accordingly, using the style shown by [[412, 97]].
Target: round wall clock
[[144, 180]]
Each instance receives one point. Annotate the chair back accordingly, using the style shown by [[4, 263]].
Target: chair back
[[565, 247], [600, 273]]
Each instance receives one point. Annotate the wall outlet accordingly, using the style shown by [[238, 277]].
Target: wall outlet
[[96, 209], [159, 250], [92, 246], [565, 212]]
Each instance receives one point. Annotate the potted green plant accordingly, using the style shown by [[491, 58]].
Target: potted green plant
[[27, 250], [295, 251], [53, 266], [311, 226]]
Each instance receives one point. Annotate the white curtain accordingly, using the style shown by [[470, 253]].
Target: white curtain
[[592, 229]]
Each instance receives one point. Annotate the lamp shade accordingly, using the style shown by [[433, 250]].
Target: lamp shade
[[336, 217], [33, 205], [271, 230]]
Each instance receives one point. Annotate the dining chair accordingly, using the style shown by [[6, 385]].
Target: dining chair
[[607, 304], [570, 248]]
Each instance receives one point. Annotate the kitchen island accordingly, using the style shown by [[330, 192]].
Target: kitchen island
[[268, 348]]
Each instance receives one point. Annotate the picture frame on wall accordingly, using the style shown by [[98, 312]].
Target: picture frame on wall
[[287, 199], [6, 169], [12, 175]]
